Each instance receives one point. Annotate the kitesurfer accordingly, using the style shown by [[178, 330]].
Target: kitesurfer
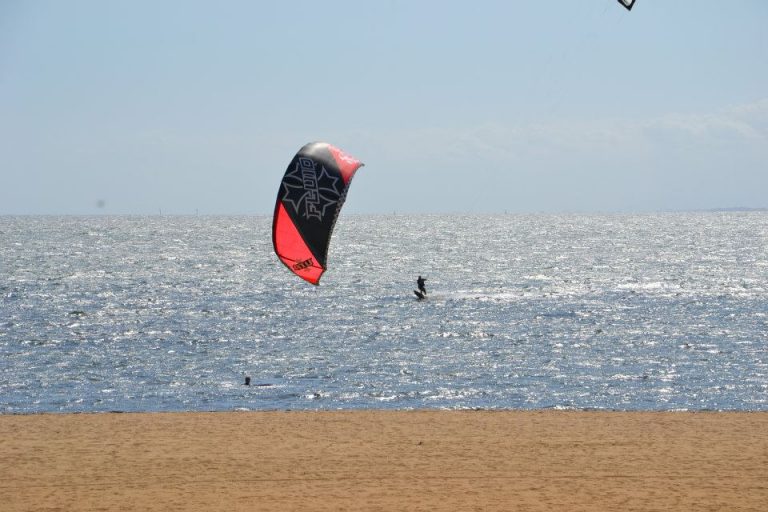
[[420, 282]]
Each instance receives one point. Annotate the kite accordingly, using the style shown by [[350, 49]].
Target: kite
[[309, 200], [627, 3]]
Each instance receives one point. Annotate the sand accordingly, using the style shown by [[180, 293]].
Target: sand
[[379, 460]]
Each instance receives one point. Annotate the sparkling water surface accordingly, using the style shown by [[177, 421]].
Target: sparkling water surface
[[629, 312]]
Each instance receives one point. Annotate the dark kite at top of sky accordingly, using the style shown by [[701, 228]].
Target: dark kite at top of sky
[[309, 200], [627, 3]]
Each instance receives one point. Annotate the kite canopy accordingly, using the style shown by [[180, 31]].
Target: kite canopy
[[309, 200], [627, 3]]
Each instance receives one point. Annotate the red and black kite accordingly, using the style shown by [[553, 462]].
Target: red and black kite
[[311, 194]]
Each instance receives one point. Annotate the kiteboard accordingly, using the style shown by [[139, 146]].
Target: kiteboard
[[420, 295]]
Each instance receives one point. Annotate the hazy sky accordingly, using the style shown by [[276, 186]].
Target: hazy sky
[[496, 105]]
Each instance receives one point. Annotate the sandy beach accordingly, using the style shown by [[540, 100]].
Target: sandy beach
[[379, 460]]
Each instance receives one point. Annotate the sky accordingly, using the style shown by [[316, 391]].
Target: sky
[[184, 107]]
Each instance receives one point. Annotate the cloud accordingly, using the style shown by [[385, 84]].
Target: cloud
[[587, 139], [747, 124], [671, 161]]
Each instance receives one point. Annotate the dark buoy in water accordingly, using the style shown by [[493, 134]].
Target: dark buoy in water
[[247, 381]]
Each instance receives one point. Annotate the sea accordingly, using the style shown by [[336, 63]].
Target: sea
[[651, 312]]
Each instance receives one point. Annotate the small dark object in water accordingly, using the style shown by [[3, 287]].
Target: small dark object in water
[[247, 381]]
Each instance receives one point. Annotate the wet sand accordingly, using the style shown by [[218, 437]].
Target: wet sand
[[380, 460]]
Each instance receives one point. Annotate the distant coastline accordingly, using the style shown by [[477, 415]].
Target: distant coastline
[[736, 209]]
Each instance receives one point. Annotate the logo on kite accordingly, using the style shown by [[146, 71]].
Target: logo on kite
[[310, 192], [309, 200], [303, 264], [627, 3]]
